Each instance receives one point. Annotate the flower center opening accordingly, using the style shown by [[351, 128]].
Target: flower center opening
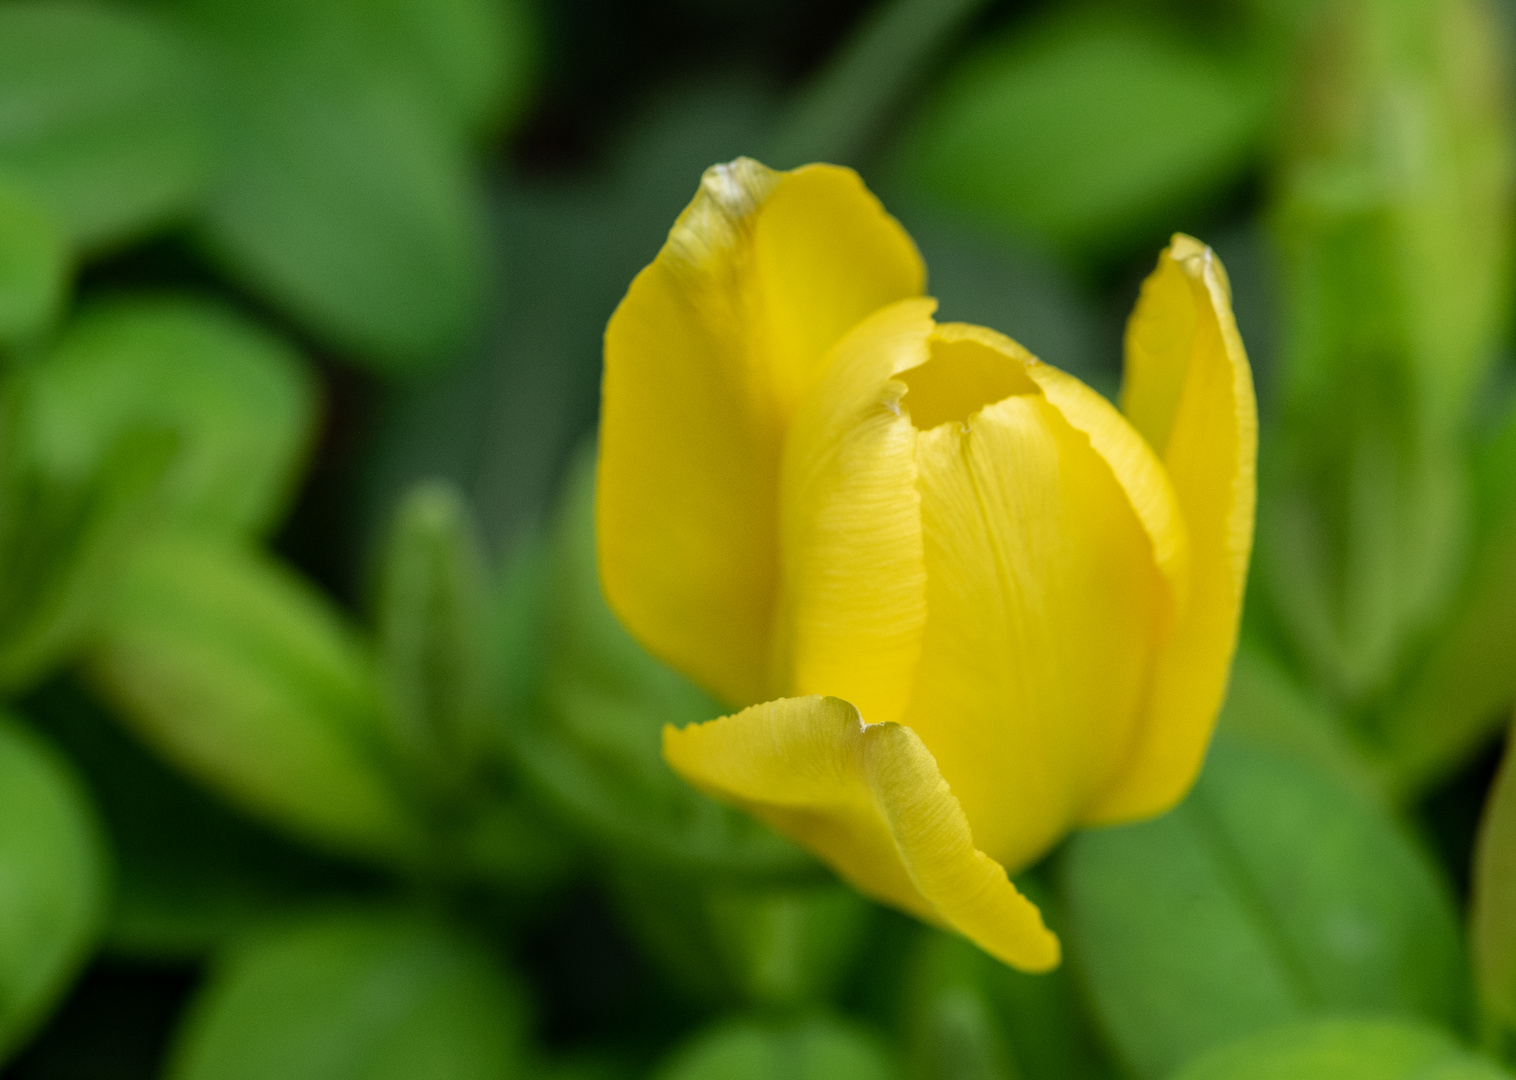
[[961, 377]]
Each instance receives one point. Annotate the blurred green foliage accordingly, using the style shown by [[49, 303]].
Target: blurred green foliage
[[316, 714]]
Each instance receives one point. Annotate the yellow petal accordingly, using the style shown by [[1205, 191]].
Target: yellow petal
[[869, 800], [854, 584], [705, 360], [1045, 601], [1190, 392]]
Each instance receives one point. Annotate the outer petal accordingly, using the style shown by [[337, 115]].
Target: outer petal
[[868, 799], [1045, 601], [854, 584], [1190, 392], [705, 360]]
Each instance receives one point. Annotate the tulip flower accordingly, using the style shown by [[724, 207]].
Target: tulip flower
[[970, 604]]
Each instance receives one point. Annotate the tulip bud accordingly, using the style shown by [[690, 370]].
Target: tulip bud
[[982, 606]]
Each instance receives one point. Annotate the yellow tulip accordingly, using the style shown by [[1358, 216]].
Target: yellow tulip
[[1020, 602]]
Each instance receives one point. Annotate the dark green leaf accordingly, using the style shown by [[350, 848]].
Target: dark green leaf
[[34, 264], [1493, 915], [1344, 1050], [52, 880], [590, 745], [238, 400], [1274, 893], [339, 193], [1089, 131], [100, 116], [773, 947], [809, 1050], [433, 639], [190, 873], [353, 996], [249, 680]]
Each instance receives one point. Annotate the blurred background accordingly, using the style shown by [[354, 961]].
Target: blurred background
[[321, 758]]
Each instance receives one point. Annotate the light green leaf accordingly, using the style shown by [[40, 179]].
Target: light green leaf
[[52, 880], [250, 681], [64, 539], [238, 400], [1344, 1050], [354, 996], [35, 260], [1088, 131], [339, 193], [433, 640], [808, 1050], [588, 741], [99, 116], [1460, 690], [1274, 893]]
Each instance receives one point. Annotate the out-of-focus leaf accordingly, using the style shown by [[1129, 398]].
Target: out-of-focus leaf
[[1090, 130], [190, 873], [433, 639], [246, 678], [63, 540], [34, 263], [768, 947], [1272, 894], [354, 996], [238, 400], [1493, 915], [1461, 689], [339, 192], [808, 1050], [99, 116], [1267, 705], [843, 112], [969, 1017], [588, 741], [52, 880], [1344, 1050], [1393, 221], [471, 57]]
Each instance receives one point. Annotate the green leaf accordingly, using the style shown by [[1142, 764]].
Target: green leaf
[[1344, 1050], [189, 873], [1274, 893], [246, 678], [52, 880], [1461, 688], [339, 193], [433, 640], [64, 539], [1493, 911], [1393, 221], [238, 400], [970, 1017], [763, 946], [807, 1050], [101, 120], [354, 996], [588, 740], [1089, 131], [35, 260]]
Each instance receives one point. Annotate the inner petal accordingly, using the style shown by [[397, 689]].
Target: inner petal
[[961, 377]]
